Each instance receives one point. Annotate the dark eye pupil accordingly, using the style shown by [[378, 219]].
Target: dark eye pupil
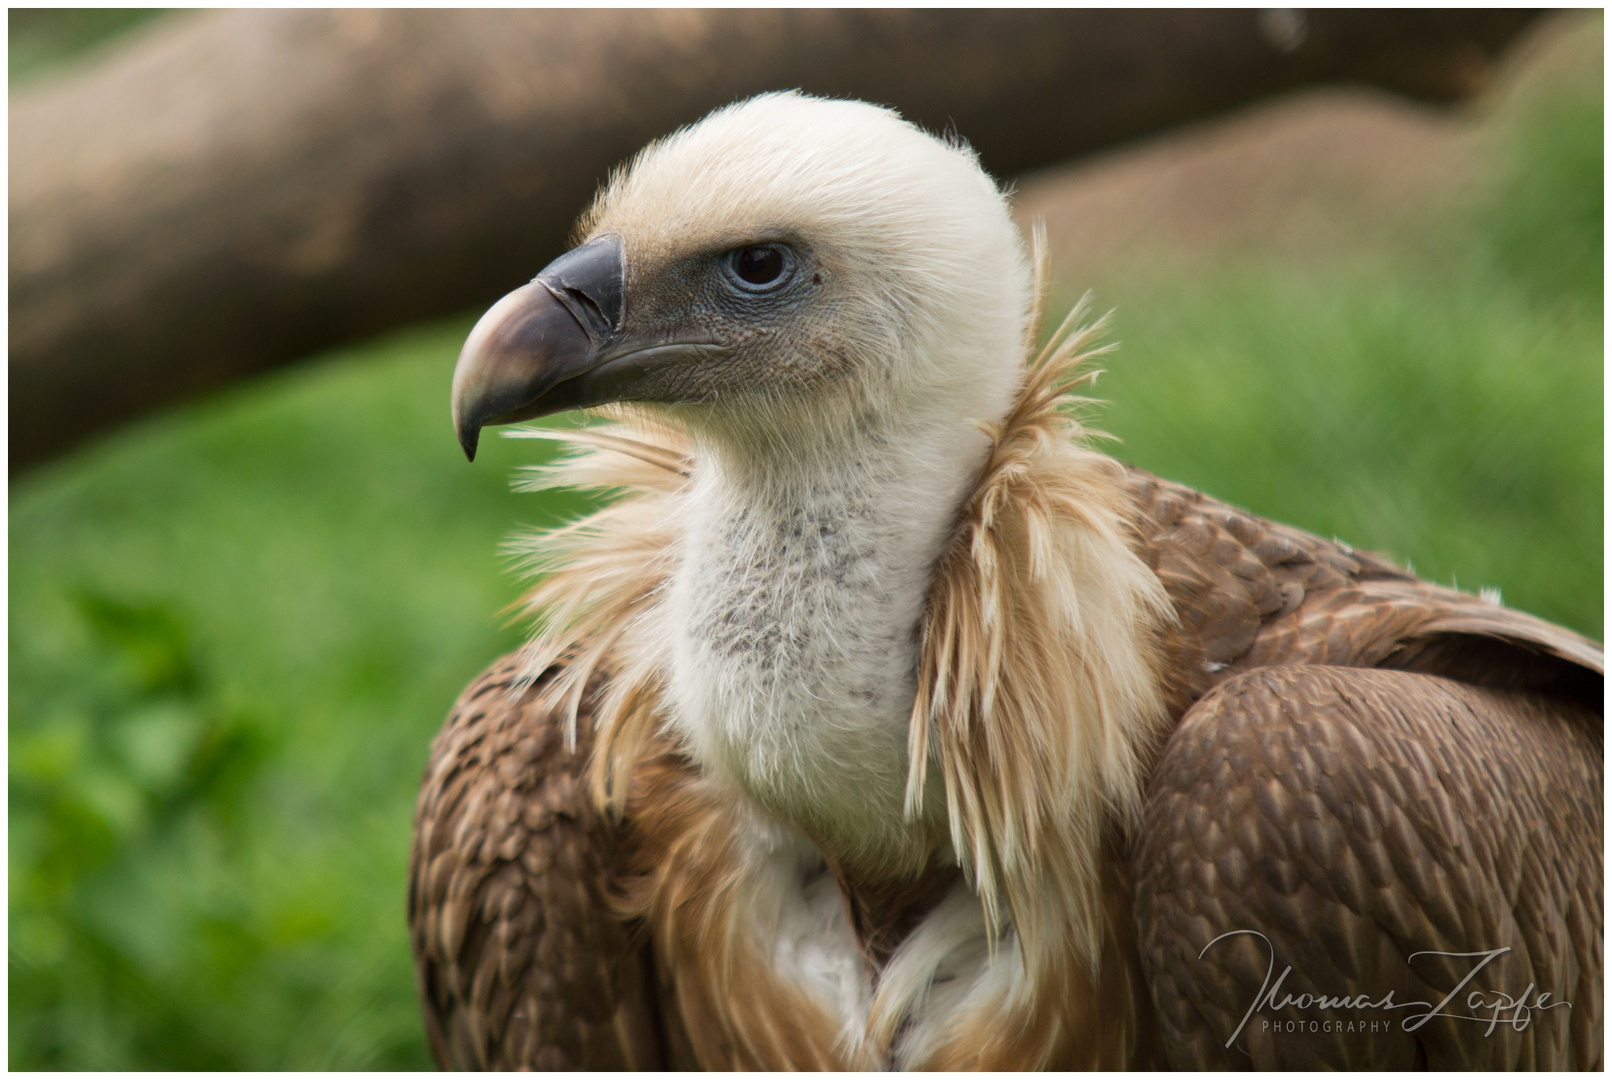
[[758, 265]]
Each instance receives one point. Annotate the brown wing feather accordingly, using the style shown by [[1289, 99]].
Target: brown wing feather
[[1252, 593], [1357, 817], [520, 961]]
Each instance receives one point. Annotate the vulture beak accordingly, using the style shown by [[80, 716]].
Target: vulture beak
[[542, 348]]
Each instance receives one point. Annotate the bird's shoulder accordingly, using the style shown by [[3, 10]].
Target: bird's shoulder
[[1252, 593], [521, 959]]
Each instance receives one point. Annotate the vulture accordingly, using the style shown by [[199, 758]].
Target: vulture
[[877, 720]]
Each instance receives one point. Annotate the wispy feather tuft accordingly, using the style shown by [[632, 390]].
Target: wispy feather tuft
[[1039, 693], [595, 603]]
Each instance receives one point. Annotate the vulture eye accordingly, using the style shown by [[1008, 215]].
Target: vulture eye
[[760, 267]]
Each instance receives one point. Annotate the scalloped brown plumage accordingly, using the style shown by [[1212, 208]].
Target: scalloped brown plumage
[[1334, 726]]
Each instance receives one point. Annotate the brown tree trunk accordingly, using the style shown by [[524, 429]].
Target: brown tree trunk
[[238, 189]]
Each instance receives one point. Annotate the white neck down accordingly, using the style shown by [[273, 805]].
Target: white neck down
[[794, 616]]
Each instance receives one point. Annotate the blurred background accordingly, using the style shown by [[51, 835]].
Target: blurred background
[[240, 609]]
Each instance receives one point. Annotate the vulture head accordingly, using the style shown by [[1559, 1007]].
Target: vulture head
[[775, 275]]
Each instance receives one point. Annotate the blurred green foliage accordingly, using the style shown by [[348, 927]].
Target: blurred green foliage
[[234, 629], [137, 759], [233, 634]]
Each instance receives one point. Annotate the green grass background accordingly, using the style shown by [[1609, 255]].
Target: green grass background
[[235, 628]]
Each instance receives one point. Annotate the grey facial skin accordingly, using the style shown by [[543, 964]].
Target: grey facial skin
[[698, 333]]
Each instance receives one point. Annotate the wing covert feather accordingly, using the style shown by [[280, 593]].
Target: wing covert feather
[[1355, 817], [1251, 593], [520, 961]]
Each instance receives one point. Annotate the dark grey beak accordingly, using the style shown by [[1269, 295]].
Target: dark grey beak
[[530, 355]]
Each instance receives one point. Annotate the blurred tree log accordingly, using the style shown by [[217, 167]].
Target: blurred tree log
[[238, 189]]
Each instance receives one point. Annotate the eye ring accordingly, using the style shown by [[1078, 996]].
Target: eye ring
[[759, 268]]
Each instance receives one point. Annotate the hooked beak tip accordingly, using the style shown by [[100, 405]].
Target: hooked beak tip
[[546, 334], [469, 437]]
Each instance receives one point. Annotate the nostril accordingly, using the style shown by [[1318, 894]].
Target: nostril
[[590, 281], [588, 304]]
